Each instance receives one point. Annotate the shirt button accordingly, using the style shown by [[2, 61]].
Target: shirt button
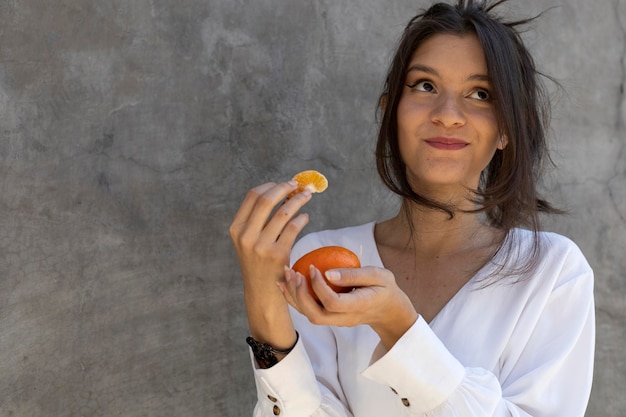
[[276, 410], [406, 402], [272, 399]]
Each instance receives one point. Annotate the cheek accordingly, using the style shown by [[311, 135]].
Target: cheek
[[401, 114], [487, 127], [404, 128], [489, 122], [411, 109], [410, 115]]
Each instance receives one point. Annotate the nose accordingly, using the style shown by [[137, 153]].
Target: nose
[[448, 111]]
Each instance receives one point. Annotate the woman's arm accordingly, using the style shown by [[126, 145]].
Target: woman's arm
[[263, 233], [546, 369]]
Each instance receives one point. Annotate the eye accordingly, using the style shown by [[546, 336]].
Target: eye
[[480, 94], [422, 85]]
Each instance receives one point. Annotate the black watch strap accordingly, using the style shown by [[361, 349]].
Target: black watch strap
[[266, 354]]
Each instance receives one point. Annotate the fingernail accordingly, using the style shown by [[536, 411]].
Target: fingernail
[[288, 275], [299, 278], [333, 275], [306, 192], [302, 219], [280, 287], [292, 183]]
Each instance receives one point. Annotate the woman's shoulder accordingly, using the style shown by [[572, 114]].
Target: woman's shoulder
[[555, 251], [550, 243]]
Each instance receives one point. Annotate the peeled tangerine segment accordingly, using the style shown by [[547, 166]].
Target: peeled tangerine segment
[[311, 180], [325, 258]]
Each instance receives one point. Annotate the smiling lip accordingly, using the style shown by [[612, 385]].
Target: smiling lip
[[450, 144]]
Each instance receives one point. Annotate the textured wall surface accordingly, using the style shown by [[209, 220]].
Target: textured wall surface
[[130, 131]]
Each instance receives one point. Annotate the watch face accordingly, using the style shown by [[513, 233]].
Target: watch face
[[266, 354], [263, 353]]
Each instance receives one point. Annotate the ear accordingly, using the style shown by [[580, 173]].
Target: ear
[[502, 142], [382, 102]]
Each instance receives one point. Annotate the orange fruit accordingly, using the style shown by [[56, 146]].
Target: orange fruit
[[311, 180], [325, 258]]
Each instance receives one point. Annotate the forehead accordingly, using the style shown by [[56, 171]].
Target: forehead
[[449, 52]]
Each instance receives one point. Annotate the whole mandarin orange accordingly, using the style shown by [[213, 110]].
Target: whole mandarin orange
[[325, 258]]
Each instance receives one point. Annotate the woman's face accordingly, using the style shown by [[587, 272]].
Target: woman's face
[[447, 128]]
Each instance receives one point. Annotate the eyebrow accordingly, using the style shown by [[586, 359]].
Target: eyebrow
[[430, 70]]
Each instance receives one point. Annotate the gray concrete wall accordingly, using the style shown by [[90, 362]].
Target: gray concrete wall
[[130, 130]]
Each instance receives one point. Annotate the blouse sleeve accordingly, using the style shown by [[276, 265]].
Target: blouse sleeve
[[295, 388], [305, 382], [549, 375]]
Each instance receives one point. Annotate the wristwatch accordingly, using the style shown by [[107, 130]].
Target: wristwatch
[[266, 354]]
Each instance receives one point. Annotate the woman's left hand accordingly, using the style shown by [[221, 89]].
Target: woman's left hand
[[376, 300]]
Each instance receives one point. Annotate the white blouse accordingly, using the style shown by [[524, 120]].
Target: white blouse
[[506, 349]]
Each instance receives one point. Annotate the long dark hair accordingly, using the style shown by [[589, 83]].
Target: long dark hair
[[507, 192]]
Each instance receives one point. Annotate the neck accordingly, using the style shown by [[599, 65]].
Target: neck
[[432, 233]]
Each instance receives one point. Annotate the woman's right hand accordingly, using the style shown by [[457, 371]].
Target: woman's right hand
[[263, 232]]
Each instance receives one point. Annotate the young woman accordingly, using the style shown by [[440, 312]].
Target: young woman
[[463, 307]]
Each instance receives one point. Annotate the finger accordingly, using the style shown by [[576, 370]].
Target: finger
[[359, 277], [267, 201], [324, 292], [291, 231], [338, 305], [256, 210], [332, 309], [283, 285], [250, 200], [302, 297], [240, 219], [285, 213]]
